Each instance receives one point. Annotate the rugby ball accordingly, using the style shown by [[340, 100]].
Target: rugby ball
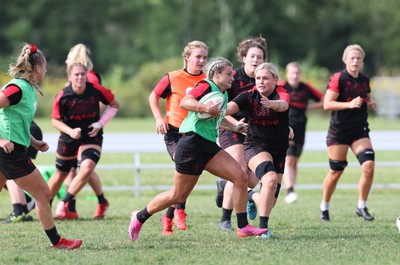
[[215, 97]]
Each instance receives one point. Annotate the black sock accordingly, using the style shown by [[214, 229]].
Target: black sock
[[101, 198], [28, 198], [226, 214], [264, 221], [143, 215], [53, 235], [250, 195], [290, 190], [68, 197], [72, 205], [242, 219], [170, 212], [17, 208], [181, 206], [25, 209]]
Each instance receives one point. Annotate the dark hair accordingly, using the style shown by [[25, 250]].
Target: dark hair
[[244, 46]]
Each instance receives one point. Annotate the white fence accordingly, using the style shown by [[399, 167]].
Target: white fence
[[138, 143], [386, 92]]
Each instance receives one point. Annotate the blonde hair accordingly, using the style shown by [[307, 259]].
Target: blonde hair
[[216, 64], [244, 46], [293, 64], [80, 54], [73, 65], [270, 67], [187, 51], [29, 57], [352, 47]]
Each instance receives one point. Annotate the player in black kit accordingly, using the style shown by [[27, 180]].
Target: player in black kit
[[251, 52], [300, 93], [267, 137], [76, 114], [348, 96]]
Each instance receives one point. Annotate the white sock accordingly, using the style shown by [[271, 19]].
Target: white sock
[[362, 204], [324, 206]]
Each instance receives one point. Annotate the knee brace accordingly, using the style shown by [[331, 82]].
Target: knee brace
[[278, 189], [64, 165], [365, 155], [337, 165], [264, 168], [91, 154]]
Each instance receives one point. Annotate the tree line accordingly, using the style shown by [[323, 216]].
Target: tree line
[[135, 42]]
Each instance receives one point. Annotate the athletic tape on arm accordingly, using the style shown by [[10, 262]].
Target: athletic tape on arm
[[108, 114]]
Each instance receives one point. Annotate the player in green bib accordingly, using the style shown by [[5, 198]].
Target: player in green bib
[[208, 129], [17, 109], [197, 150]]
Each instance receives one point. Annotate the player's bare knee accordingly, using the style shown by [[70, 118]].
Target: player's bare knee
[[270, 182], [243, 179], [43, 196], [177, 196], [368, 167]]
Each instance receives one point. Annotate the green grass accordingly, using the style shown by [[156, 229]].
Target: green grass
[[299, 236]]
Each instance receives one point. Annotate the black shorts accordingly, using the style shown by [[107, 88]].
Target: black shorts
[[346, 137], [296, 144], [16, 164], [228, 138], [37, 133], [252, 149], [193, 152], [171, 139], [69, 147]]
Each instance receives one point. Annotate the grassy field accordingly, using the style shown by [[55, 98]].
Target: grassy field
[[299, 236]]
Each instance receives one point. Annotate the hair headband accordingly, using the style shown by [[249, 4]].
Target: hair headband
[[33, 48]]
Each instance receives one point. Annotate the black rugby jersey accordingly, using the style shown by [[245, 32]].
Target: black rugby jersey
[[299, 98], [242, 83], [80, 111], [265, 125], [349, 88]]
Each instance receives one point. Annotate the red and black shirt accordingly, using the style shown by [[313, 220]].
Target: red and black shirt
[[81, 110], [242, 83], [299, 98], [349, 88], [266, 125]]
